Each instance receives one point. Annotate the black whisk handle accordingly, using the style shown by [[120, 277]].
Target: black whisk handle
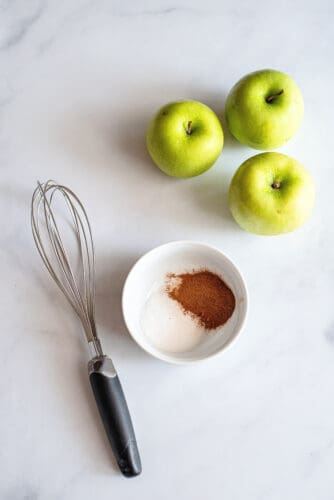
[[115, 415]]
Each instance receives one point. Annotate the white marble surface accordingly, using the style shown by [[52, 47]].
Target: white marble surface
[[78, 83]]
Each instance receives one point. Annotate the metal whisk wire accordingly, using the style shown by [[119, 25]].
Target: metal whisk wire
[[79, 288]]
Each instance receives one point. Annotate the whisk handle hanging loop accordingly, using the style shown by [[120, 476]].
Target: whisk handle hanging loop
[[115, 415]]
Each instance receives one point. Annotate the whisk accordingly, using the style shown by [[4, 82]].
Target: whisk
[[75, 276]]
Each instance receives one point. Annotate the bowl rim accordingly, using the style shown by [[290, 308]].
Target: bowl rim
[[170, 358]]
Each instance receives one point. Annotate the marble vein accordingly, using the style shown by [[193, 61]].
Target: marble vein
[[159, 12], [21, 28]]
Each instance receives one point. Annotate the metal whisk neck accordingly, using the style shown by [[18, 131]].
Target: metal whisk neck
[[95, 348]]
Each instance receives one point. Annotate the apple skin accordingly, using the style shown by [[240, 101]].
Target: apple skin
[[260, 207], [177, 152], [260, 124]]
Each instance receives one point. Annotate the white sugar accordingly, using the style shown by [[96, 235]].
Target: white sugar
[[166, 326]]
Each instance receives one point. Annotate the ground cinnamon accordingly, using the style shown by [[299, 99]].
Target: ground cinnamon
[[204, 295]]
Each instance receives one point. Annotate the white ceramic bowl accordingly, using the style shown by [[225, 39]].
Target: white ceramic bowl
[[179, 257]]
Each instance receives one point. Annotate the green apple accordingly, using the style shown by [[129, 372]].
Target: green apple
[[264, 109], [271, 193], [185, 138]]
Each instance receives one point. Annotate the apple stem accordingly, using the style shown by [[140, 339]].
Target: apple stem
[[188, 129], [272, 97], [276, 185]]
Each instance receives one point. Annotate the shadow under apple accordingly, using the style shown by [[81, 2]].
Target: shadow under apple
[[211, 195]]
